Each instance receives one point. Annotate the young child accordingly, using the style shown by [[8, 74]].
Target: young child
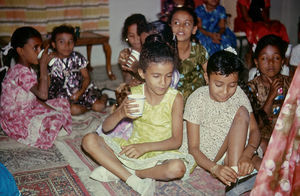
[[212, 32], [270, 87], [26, 115], [218, 119], [130, 63], [131, 33], [69, 75], [193, 56], [152, 150]]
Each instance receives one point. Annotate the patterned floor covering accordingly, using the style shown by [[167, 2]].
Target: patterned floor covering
[[52, 181], [46, 172], [200, 183], [18, 157], [64, 169]]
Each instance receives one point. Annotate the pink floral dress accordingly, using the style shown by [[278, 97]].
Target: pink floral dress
[[279, 173], [24, 118]]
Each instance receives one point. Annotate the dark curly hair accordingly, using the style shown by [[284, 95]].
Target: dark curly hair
[[156, 50], [63, 29], [138, 19]]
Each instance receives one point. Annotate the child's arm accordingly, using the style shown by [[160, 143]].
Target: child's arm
[[245, 164], [123, 111], [224, 173], [41, 89], [214, 36], [222, 26], [85, 84], [274, 86], [174, 142]]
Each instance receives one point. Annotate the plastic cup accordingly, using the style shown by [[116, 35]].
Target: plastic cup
[[134, 54], [140, 100], [51, 61]]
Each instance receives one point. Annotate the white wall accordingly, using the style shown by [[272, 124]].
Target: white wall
[[119, 11], [287, 11]]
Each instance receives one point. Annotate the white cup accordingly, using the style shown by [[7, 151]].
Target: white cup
[[51, 61], [140, 100], [134, 54]]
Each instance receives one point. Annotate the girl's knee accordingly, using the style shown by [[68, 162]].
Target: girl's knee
[[176, 169], [89, 141]]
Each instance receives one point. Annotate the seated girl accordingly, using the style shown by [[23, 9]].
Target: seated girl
[[26, 114], [212, 31], [269, 89], [128, 57], [151, 153], [193, 56], [69, 77], [222, 132]]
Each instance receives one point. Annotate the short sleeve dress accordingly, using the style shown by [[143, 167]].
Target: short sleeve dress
[[210, 22], [214, 118], [191, 71], [66, 79], [155, 125], [24, 118], [260, 93]]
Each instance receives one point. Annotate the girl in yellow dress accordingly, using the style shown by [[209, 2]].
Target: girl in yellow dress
[[151, 153]]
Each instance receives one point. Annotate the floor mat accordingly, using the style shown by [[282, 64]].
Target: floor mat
[[200, 182], [53, 181], [19, 157]]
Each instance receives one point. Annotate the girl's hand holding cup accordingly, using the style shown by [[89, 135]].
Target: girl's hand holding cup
[[46, 57], [131, 64], [133, 106]]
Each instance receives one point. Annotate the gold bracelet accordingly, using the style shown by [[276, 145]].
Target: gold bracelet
[[213, 170]]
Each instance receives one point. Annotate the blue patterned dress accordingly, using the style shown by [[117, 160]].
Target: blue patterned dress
[[210, 23]]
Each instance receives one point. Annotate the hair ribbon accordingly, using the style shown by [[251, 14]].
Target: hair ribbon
[[6, 49]]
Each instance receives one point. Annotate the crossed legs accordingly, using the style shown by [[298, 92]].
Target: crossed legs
[[96, 147]]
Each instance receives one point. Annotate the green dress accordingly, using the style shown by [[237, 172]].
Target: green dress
[[191, 71], [155, 125]]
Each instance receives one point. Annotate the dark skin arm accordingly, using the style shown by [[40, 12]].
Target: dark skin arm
[[224, 173], [85, 84], [41, 88], [274, 86]]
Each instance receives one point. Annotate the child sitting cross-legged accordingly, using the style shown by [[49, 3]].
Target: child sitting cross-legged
[[151, 153], [222, 131]]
